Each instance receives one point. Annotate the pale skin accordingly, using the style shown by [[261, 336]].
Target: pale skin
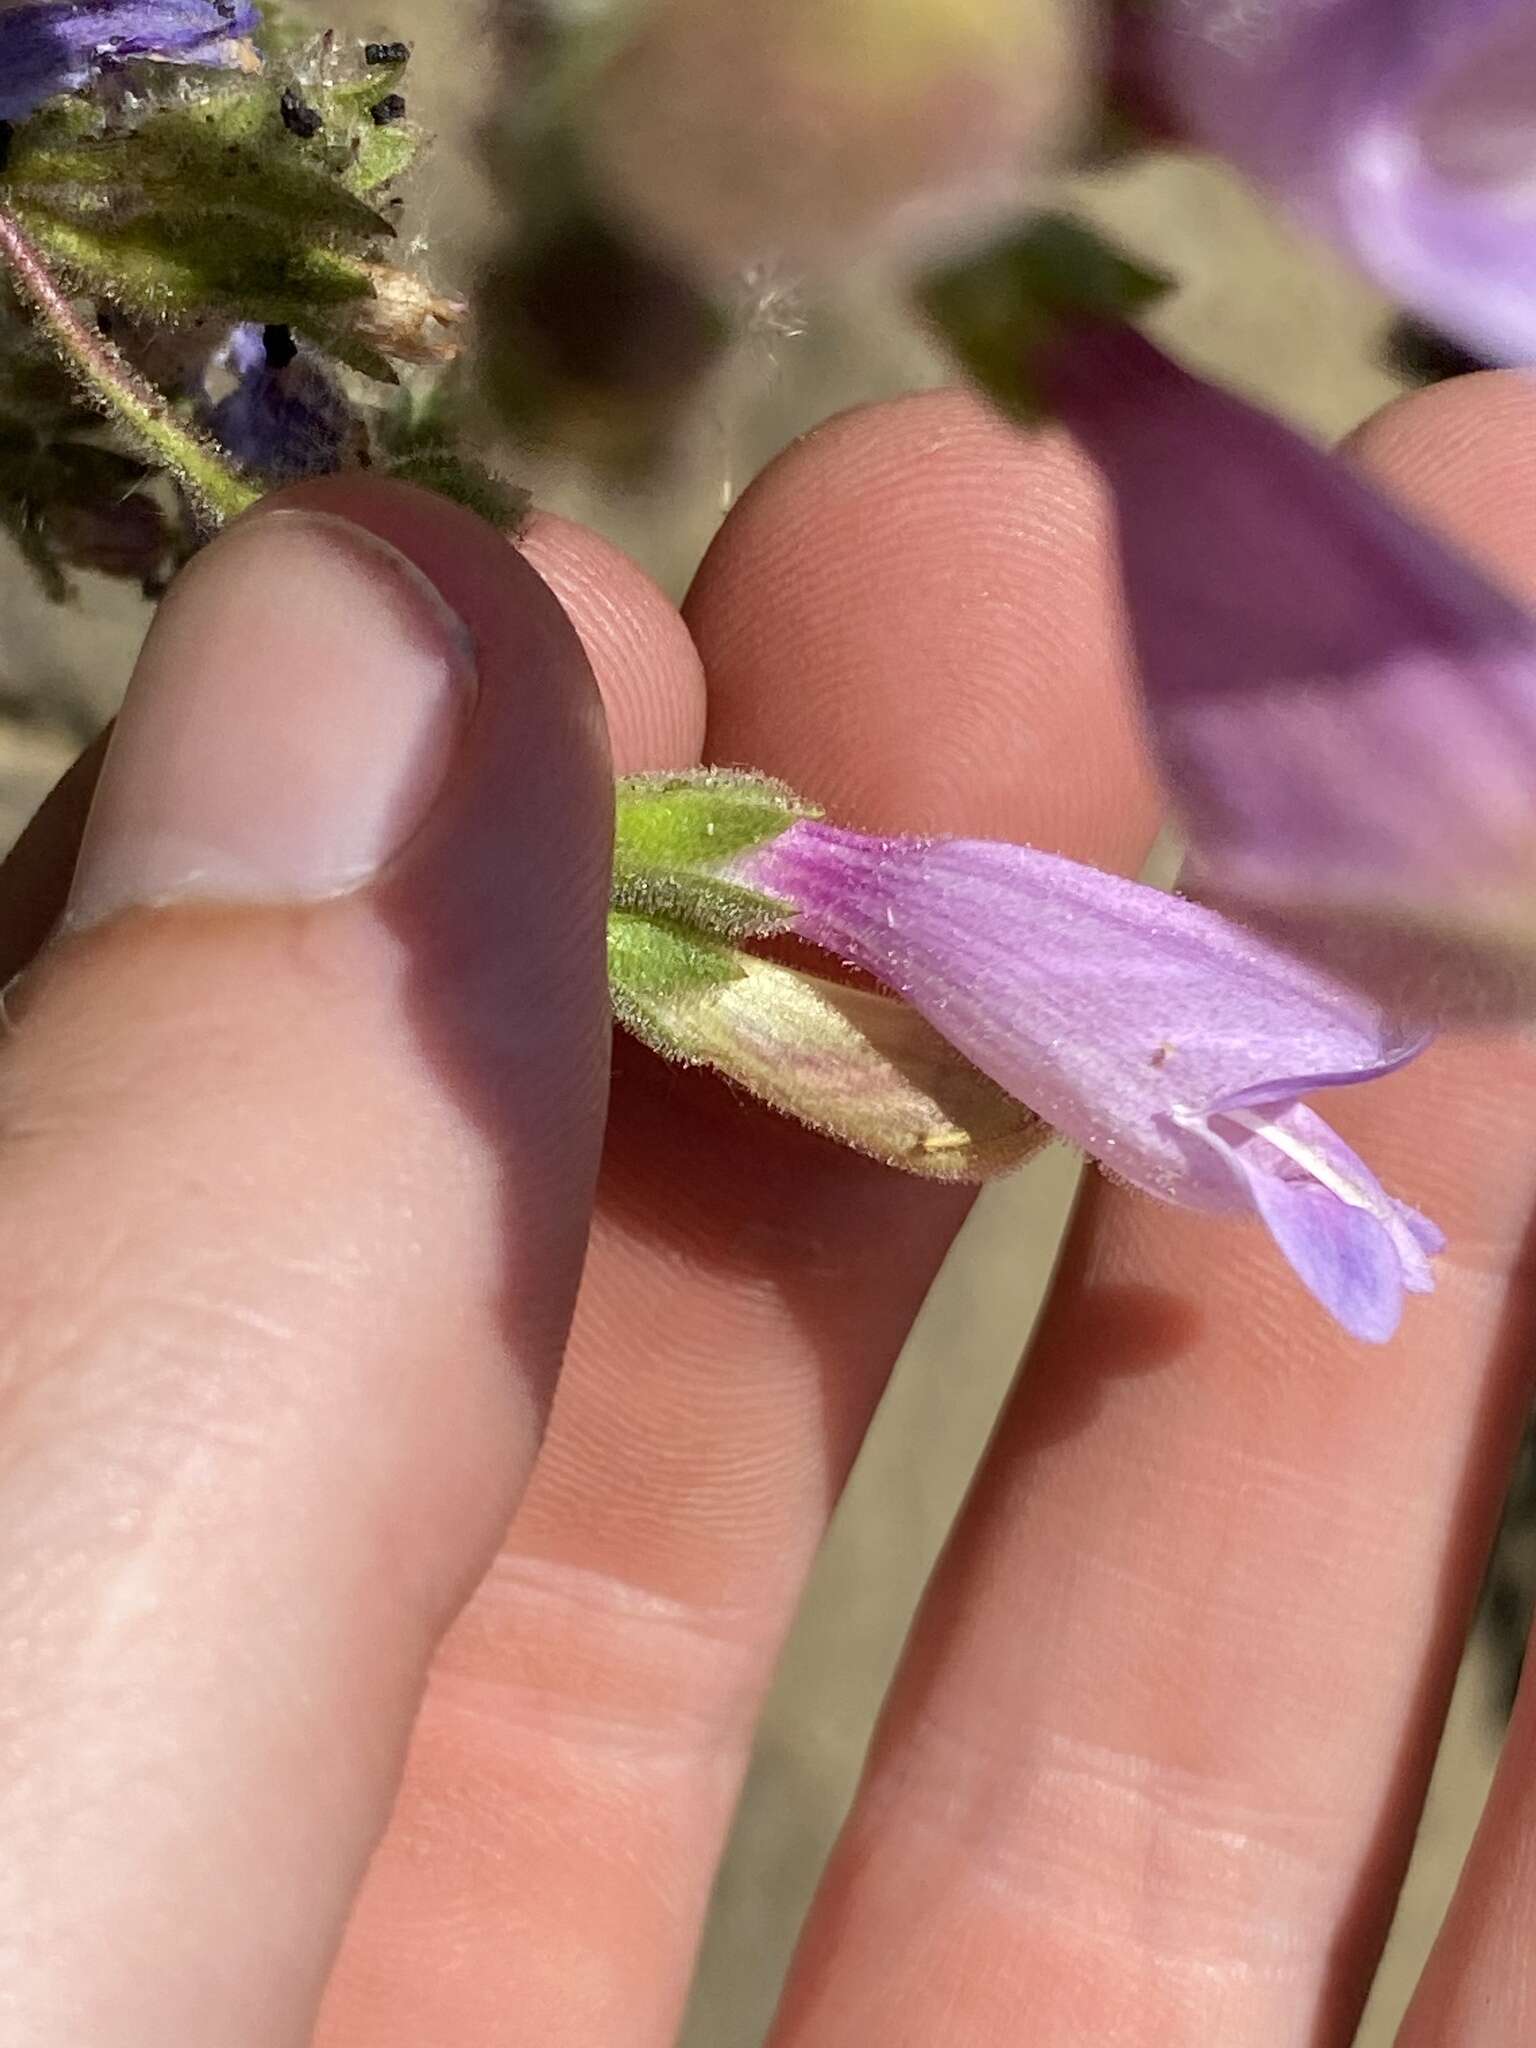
[[381, 1640]]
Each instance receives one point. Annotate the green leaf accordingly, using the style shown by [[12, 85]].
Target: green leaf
[[201, 204], [189, 266], [383, 156], [366, 155], [351, 353]]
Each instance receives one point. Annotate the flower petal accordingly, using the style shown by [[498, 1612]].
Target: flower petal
[[1110, 1008], [1345, 1256], [1300, 1145], [1402, 1053], [287, 417], [1345, 708], [53, 46], [1406, 129], [1417, 1239]]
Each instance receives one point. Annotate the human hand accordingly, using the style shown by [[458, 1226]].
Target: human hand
[[295, 1194]]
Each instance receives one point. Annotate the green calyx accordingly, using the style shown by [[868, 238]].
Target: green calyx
[[858, 1066], [672, 836], [701, 820], [676, 921]]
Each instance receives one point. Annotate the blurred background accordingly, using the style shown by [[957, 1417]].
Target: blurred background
[[1274, 317]]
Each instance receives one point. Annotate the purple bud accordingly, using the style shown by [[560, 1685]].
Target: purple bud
[[286, 417], [1406, 129], [1344, 706], [54, 46], [1169, 1043]]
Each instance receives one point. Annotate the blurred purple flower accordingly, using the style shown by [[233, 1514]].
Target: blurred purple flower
[[53, 46], [1344, 706], [1171, 1044], [1406, 129], [287, 417]]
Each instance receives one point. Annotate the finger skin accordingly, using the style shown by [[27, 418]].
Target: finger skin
[[1478, 1987], [1477, 1990], [294, 1201], [639, 650], [645, 662], [893, 621], [1153, 1766]]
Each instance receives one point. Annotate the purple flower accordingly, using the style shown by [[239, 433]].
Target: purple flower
[[1171, 1044], [1345, 708], [287, 417], [1406, 129], [54, 46]]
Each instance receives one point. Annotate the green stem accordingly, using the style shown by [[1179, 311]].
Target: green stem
[[214, 485]]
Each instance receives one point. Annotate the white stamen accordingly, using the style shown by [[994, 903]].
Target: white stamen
[[1309, 1160]]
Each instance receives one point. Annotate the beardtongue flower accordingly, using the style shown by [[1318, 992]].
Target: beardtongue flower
[[1406, 129], [54, 46], [1171, 1044], [1344, 707]]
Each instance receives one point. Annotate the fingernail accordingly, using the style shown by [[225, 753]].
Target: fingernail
[[291, 721]]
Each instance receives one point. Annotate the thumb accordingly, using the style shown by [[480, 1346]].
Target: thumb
[[299, 1122]]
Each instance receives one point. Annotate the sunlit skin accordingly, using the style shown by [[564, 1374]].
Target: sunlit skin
[[293, 1203]]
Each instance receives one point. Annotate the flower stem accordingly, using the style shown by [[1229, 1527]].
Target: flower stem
[[215, 486]]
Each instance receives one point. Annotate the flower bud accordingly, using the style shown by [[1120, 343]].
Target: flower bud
[[287, 416], [802, 133], [856, 1066]]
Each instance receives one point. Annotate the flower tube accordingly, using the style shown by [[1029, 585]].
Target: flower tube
[[1170, 1044]]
